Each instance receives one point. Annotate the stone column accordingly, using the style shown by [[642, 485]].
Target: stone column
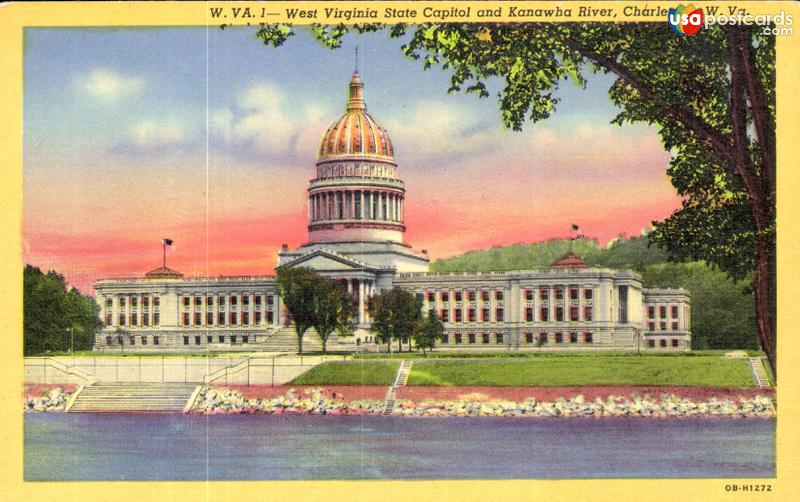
[[361, 207], [276, 309], [361, 303]]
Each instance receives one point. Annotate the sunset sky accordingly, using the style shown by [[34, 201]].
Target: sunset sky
[[209, 138]]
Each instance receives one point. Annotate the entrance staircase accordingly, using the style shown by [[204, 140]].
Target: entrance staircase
[[285, 340], [138, 397], [757, 371], [399, 381]]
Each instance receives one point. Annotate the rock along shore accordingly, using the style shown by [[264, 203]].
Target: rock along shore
[[320, 401]]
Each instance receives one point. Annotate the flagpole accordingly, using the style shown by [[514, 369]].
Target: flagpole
[[164, 249]]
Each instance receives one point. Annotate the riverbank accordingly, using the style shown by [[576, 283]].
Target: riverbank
[[618, 401]]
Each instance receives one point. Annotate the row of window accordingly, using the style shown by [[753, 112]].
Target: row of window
[[662, 326], [485, 338], [232, 318], [220, 339], [662, 343], [231, 300], [134, 301], [662, 311], [143, 340], [134, 319], [544, 294], [499, 314], [572, 337]]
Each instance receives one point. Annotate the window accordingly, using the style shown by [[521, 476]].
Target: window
[[662, 342], [145, 302], [651, 312], [445, 315], [498, 338], [445, 338], [197, 319], [485, 337], [529, 295], [498, 295], [156, 319], [662, 311], [458, 337], [108, 319], [559, 338], [221, 339], [134, 301], [145, 320], [232, 319], [185, 301], [573, 293], [471, 337], [485, 315], [209, 339], [210, 301], [674, 311], [122, 319], [155, 339], [119, 339], [445, 296], [559, 294], [528, 337], [269, 300], [245, 318], [675, 342], [573, 313], [472, 314], [662, 325], [651, 344], [588, 338], [246, 300], [544, 294], [458, 296], [559, 314], [529, 314], [186, 319], [542, 338], [431, 297], [197, 339], [269, 317], [233, 338], [674, 325], [109, 340], [221, 318], [588, 293], [257, 300], [186, 339], [471, 296], [245, 338], [234, 300], [573, 337], [458, 315], [588, 312], [156, 303], [121, 301], [210, 318], [651, 326], [198, 301], [623, 304], [109, 303], [258, 318], [485, 296], [544, 314], [420, 297], [498, 315], [134, 319]]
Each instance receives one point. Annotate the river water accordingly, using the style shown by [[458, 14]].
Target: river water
[[79, 446]]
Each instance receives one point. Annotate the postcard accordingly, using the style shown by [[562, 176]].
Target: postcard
[[399, 250]]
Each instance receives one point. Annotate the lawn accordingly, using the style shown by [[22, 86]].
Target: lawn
[[471, 354], [567, 371], [349, 373]]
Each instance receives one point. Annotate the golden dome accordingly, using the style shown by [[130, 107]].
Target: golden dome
[[356, 133]]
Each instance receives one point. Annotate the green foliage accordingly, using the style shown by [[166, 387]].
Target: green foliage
[[396, 314], [349, 373], [54, 318], [723, 315], [567, 371], [298, 286], [430, 332], [334, 309]]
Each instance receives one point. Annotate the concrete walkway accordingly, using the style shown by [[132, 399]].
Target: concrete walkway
[[399, 380]]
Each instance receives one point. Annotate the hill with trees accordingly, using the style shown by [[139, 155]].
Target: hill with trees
[[723, 313]]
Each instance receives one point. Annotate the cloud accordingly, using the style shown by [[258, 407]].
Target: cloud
[[268, 120], [150, 133], [109, 86]]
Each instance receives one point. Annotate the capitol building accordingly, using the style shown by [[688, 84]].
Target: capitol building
[[356, 204]]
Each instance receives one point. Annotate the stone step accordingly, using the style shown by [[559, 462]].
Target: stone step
[[132, 397]]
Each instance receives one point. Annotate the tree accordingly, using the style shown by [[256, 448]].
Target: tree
[[334, 309], [396, 314], [711, 95], [53, 316], [298, 286], [429, 333]]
